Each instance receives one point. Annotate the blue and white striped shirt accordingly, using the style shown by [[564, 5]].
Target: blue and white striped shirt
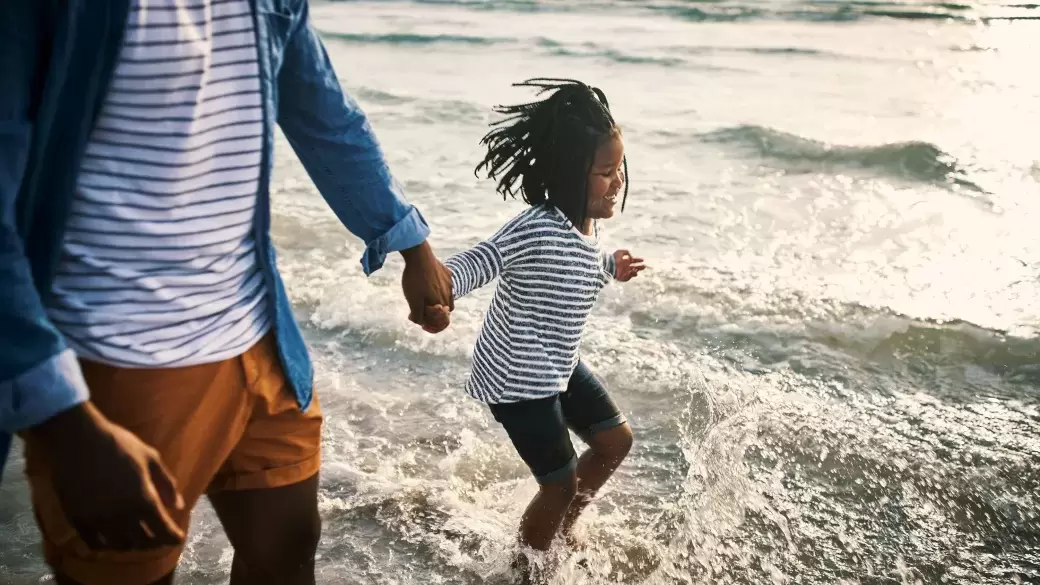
[[551, 274], [159, 266]]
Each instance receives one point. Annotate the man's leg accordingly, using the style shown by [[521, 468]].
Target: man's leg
[[274, 531], [266, 494]]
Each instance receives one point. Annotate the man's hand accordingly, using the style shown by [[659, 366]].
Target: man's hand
[[427, 288], [113, 488], [627, 266]]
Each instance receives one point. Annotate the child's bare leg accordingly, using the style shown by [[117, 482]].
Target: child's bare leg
[[544, 515], [607, 449]]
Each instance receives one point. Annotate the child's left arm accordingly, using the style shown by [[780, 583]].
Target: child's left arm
[[622, 265]]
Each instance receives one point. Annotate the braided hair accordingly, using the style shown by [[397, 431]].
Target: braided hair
[[548, 146]]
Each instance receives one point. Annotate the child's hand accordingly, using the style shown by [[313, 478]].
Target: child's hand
[[627, 266], [436, 318]]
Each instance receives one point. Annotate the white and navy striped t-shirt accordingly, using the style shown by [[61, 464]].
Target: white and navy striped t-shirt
[[159, 266], [551, 275]]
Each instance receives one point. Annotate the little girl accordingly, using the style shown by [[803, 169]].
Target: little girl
[[565, 156]]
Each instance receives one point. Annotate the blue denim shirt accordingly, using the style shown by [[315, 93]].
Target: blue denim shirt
[[56, 59]]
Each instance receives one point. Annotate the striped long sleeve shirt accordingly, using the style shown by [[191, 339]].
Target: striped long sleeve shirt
[[159, 267], [550, 275]]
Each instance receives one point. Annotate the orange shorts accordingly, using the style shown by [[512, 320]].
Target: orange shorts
[[230, 425]]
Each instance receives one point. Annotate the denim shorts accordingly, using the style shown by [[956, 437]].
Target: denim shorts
[[539, 428]]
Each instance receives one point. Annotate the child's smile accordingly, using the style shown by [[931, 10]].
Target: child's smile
[[606, 179]]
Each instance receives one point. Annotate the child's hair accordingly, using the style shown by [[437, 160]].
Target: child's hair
[[550, 145]]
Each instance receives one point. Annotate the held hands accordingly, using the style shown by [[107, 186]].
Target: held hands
[[627, 266], [438, 317], [427, 288]]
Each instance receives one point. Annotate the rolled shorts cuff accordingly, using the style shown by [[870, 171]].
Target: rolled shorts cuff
[[560, 474], [606, 425], [268, 478]]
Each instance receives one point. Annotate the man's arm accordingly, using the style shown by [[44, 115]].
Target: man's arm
[[334, 141], [39, 375]]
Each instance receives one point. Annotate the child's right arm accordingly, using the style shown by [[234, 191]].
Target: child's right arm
[[487, 260], [474, 268]]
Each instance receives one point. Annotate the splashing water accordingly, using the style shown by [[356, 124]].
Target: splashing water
[[831, 366]]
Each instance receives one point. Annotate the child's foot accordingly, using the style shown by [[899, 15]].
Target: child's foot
[[575, 543], [523, 569], [578, 546], [530, 571]]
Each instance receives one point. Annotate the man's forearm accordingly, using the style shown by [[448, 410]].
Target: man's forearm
[[52, 386], [67, 428]]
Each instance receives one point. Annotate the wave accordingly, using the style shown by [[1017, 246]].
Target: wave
[[921, 161], [782, 51], [912, 14], [959, 342], [413, 39], [830, 11], [810, 339], [420, 109], [743, 10], [596, 51], [973, 49], [550, 46], [504, 5], [723, 14], [814, 11], [371, 94]]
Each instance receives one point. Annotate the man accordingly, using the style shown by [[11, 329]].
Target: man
[[148, 353]]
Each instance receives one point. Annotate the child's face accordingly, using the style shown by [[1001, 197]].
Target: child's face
[[606, 178]]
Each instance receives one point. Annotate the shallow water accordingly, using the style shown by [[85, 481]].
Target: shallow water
[[833, 365]]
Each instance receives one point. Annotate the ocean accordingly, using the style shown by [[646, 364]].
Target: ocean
[[832, 364]]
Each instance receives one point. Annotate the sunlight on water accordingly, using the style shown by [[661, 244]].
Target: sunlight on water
[[831, 366]]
